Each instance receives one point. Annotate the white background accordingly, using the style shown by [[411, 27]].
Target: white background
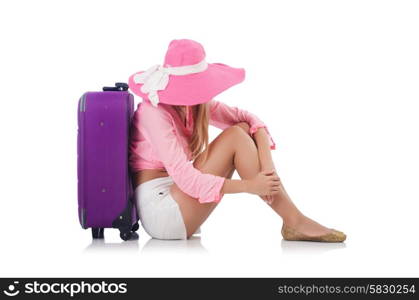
[[335, 81]]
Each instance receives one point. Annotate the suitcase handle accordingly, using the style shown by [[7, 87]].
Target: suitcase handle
[[119, 86]]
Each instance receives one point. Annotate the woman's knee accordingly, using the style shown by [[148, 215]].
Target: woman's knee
[[223, 147], [238, 130], [238, 134]]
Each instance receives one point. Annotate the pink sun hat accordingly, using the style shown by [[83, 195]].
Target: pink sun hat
[[185, 78]]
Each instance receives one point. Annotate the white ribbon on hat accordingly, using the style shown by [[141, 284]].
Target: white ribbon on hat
[[156, 78]]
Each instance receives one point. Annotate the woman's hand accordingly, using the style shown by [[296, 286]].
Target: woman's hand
[[264, 183]]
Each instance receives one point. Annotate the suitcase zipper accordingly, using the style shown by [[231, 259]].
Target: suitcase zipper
[[80, 137]]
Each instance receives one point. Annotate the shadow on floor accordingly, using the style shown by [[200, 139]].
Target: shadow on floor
[[152, 246], [101, 246], [190, 246], [300, 247]]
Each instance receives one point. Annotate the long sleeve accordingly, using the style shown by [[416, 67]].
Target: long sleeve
[[158, 128], [224, 116]]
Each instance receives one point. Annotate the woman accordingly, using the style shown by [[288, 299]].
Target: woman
[[179, 178]]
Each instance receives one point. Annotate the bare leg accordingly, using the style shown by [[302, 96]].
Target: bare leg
[[226, 153], [285, 208], [232, 149]]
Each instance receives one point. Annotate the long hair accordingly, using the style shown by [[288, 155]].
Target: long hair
[[199, 139]]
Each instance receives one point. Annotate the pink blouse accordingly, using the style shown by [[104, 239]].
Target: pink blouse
[[159, 139]]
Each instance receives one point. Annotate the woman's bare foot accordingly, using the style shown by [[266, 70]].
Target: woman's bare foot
[[309, 227]]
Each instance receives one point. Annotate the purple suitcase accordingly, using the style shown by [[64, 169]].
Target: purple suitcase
[[105, 192]]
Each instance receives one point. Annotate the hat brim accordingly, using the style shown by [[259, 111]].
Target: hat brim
[[194, 88]]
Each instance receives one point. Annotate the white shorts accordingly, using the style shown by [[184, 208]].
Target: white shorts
[[159, 213]]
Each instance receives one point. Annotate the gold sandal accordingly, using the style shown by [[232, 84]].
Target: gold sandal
[[291, 234]]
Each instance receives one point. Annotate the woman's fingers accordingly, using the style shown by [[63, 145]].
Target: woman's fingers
[[268, 172], [270, 199], [274, 178], [267, 198]]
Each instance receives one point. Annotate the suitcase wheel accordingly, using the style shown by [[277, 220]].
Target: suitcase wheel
[[97, 233], [135, 227], [126, 235]]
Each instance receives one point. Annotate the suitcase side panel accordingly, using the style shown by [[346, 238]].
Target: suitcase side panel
[[104, 169]]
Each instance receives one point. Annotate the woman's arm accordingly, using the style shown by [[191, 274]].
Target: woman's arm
[[233, 186], [224, 116], [261, 184], [158, 128], [262, 141]]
